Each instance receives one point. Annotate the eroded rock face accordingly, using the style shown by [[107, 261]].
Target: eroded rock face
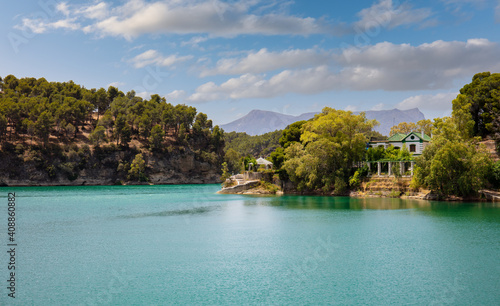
[[180, 168]]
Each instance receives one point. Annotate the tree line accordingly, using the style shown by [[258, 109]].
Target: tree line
[[64, 128], [31, 107]]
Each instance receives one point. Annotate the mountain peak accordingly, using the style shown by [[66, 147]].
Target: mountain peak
[[258, 122]]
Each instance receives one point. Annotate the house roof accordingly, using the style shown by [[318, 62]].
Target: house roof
[[418, 135], [397, 137], [262, 161]]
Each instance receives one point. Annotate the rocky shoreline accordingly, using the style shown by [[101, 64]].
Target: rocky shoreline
[[254, 188]]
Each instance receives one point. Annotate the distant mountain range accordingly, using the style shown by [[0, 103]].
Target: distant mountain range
[[259, 122]]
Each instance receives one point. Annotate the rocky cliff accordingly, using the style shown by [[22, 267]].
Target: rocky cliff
[[103, 166]]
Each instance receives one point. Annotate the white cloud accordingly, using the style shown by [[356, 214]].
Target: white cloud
[[386, 14], [213, 17], [464, 8], [304, 81], [144, 94], [63, 8], [378, 107], [195, 41], [150, 57], [98, 11], [65, 24], [263, 60], [176, 96], [34, 25], [438, 102], [218, 18], [40, 26], [384, 66], [116, 84], [433, 65], [351, 108]]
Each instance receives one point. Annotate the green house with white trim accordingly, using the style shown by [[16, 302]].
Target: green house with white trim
[[414, 142]]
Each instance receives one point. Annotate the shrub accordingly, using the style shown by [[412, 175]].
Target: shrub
[[51, 171], [340, 186], [70, 170], [359, 175], [138, 169], [495, 175], [269, 187], [394, 194]]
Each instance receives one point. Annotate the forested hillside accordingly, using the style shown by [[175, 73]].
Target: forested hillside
[[53, 132]]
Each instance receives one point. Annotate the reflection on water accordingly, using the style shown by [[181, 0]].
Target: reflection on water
[[327, 202], [191, 211]]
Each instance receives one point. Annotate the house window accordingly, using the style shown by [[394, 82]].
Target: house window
[[413, 148]]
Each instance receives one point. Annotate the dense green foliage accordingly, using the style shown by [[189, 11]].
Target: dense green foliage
[[452, 164], [330, 146], [408, 127], [62, 111], [494, 175], [481, 99], [291, 134], [239, 146], [35, 107], [391, 153], [40, 114], [138, 169], [259, 145]]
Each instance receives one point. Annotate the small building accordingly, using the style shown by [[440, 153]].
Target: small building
[[414, 142], [262, 161]]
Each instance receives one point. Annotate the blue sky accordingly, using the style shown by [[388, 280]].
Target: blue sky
[[229, 57]]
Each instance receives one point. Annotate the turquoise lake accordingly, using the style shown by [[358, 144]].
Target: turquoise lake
[[186, 245]]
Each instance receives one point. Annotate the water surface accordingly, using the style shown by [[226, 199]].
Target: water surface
[[150, 245]]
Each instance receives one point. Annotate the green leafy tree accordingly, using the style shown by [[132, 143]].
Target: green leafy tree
[[462, 116], [70, 130], [98, 135], [482, 96], [182, 135], [258, 145], [246, 161], [101, 101], [278, 158], [218, 139], [403, 128], [452, 165], [3, 127], [291, 134], [374, 154], [125, 135], [120, 124], [424, 125], [232, 160], [43, 126], [156, 138], [391, 153], [330, 145], [225, 172], [138, 169], [107, 122], [113, 93]]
